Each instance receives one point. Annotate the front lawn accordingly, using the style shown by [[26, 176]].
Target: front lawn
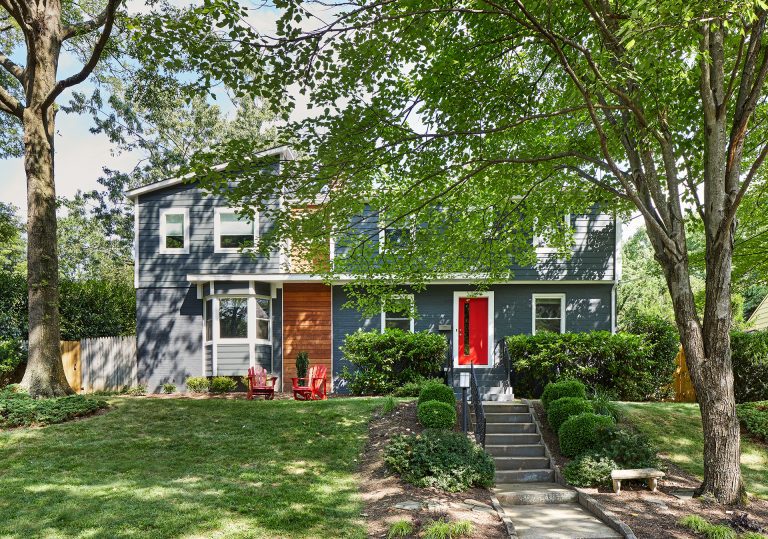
[[188, 468], [676, 429]]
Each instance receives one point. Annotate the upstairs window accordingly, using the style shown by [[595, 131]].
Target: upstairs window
[[233, 232], [174, 231], [396, 237], [396, 313], [548, 313]]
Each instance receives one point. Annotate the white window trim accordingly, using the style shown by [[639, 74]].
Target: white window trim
[[384, 313], [457, 295], [217, 248], [534, 297], [174, 250], [409, 225]]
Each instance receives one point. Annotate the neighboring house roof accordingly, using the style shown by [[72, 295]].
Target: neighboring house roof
[[283, 151], [759, 318]]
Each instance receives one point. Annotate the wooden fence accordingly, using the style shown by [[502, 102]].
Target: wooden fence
[[101, 364], [683, 386]]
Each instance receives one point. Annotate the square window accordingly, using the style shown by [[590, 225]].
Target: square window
[[397, 313], [233, 232]]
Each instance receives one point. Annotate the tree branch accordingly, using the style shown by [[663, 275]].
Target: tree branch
[[10, 104], [86, 26], [13, 68], [92, 61]]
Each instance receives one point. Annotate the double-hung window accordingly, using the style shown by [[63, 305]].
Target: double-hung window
[[174, 231], [233, 232], [397, 235], [230, 319], [548, 313], [397, 313]]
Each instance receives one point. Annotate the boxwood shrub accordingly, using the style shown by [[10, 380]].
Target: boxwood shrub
[[590, 470], [580, 433], [437, 391], [563, 388], [413, 389], [437, 415], [446, 460], [754, 418], [565, 407], [629, 449], [629, 366], [222, 384], [198, 384], [385, 361]]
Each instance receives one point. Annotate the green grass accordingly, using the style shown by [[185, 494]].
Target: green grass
[[676, 429], [188, 468], [400, 529]]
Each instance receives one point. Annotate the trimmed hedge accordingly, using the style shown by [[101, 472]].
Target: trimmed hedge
[[580, 434], [749, 354], [385, 361], [754, 418], [446, 460], [437, 391], [624, 364], [563, 388], [222, 384], [437, 415], [566, 407]]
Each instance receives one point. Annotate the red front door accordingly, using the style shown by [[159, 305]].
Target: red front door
[[473, 331]]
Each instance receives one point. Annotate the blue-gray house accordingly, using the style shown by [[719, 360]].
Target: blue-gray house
[[206, 308]]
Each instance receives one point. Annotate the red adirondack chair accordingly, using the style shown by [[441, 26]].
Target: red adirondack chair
[[313, 387], [261, 384]]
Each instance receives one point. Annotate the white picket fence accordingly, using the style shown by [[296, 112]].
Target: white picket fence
[[108, 363]]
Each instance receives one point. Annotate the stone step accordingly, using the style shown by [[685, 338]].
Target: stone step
[[557, 521], [505, 408], [494, 417], [512, 438], [522, 450], [521, 463], [509, 428], [496, 397], [525, 476], [534, 493]]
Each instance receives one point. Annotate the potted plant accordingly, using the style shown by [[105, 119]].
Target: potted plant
[[302, 365]]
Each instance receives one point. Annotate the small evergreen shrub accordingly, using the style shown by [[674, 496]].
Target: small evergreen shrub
[[437, 415], [222, 384], [136, 391], [198, 384], [302, 364], [563, 388], [590, 470], [565, 407], [446, 460], [18, 409], [169, 388], [413, 389], [754, 418], [437, 391], [385, 361], [629, 449], [603, 405], [580, 433], [13, 354]]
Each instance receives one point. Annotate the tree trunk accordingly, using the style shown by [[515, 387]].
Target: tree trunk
[[708, 355], [44, 375]]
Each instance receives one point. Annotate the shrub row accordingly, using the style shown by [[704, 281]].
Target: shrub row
[[217, 384], [627, 365], [385, 361], [18, 409], [754, 418], [749, 354], [587, 432]]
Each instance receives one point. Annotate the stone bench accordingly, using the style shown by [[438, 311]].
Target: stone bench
[[643, 473]]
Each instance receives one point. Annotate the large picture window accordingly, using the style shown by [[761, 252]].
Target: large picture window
[[174, 231], [233, 232], [548, 313], [233, 318], [397, 313]]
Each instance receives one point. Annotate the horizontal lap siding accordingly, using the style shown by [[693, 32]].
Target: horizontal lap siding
[[169, 334], [157, 269], [306, 326], [588, 308], [232, 359]]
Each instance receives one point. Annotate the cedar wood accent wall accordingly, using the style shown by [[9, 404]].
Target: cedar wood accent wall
[[306, 327]]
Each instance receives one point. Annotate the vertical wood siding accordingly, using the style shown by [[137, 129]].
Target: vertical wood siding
[[306, 327]]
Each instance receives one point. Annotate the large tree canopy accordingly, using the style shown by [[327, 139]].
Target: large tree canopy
[[487, 121]]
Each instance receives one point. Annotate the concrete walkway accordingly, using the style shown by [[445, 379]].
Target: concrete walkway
[[538, 507]]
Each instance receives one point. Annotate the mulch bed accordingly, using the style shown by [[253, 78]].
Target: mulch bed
[[381, 491], [655, 515]]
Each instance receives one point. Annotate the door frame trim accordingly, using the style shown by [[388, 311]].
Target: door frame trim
[[491, 333]]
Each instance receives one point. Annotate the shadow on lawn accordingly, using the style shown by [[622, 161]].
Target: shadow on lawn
[[171, 468]]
